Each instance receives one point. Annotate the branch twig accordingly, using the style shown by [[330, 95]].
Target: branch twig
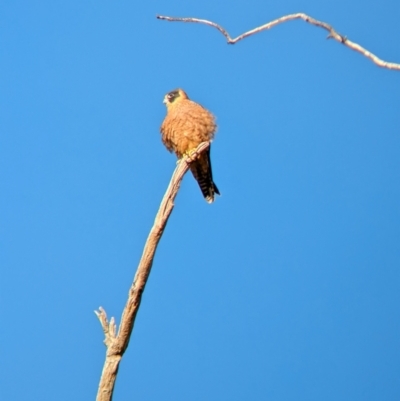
[[117, 343], [333, 34]]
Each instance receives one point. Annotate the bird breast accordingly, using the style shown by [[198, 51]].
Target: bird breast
[[187, 125]]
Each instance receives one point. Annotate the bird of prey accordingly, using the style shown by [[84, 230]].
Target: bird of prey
[[185, 126]]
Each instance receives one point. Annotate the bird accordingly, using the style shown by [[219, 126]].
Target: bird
[[186, 125]]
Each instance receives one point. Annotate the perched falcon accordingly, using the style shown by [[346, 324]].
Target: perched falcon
[[185, 126]]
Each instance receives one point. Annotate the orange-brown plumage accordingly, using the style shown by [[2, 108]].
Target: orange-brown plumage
[[185, 126]]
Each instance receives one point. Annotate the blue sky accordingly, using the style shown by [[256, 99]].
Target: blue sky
[[286, 288]]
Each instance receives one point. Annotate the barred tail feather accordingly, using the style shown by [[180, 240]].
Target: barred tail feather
[[202, 172]]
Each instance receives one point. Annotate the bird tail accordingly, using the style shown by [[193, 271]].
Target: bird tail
[[202, 172]]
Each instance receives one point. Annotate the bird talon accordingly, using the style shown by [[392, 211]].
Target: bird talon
[[190, 155]]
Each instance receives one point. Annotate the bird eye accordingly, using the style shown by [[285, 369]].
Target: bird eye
[[171, 96]]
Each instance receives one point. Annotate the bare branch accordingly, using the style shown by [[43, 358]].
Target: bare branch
[[333, 34], [118, 343]]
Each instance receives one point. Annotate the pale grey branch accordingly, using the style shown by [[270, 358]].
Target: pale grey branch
[[332, 34]]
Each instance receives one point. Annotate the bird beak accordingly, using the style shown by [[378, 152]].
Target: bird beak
[[165, 100]]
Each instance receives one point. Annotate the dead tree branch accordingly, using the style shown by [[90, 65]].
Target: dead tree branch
[[332, 34], [117, 342]]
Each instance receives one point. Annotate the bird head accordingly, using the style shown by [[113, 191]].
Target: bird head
[[174, 97]]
